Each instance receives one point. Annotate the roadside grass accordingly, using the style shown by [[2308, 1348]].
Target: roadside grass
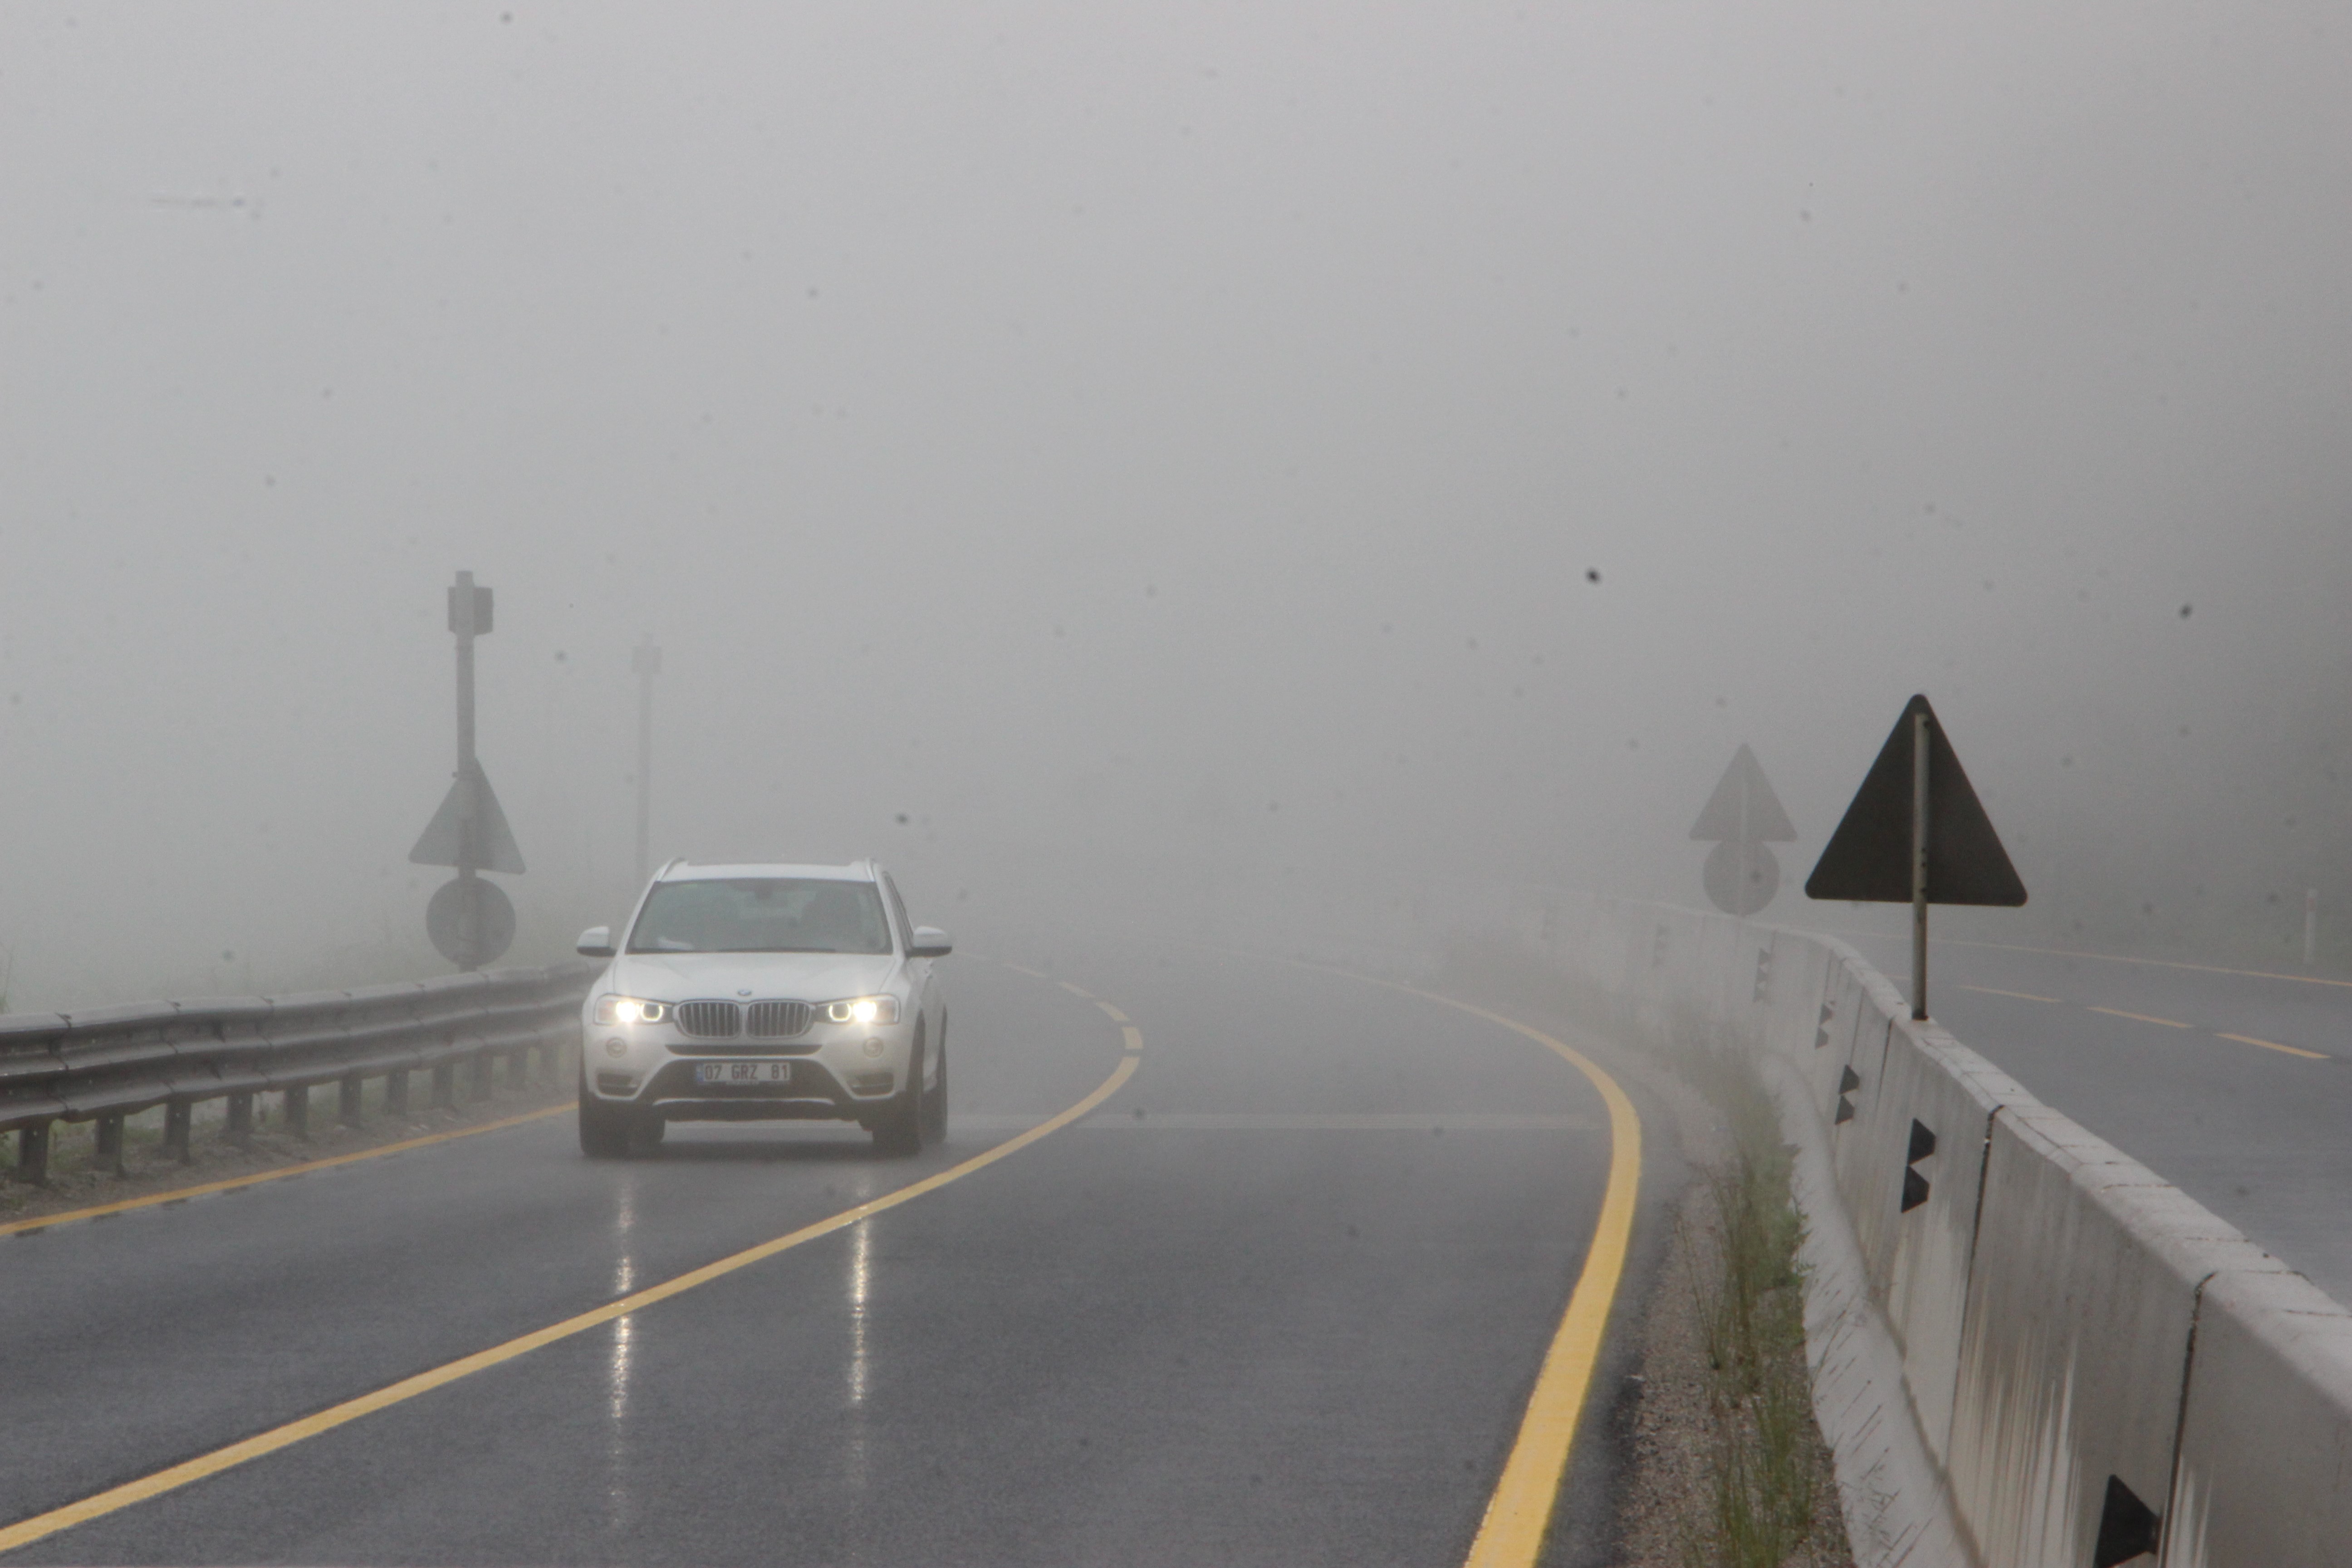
[[1752, 1485], [1759, 1503]]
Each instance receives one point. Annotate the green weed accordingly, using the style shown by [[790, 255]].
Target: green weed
[[1760, 1498]]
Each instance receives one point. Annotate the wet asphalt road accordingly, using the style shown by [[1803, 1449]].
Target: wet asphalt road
[[1280, 1302], [2260, 1136]]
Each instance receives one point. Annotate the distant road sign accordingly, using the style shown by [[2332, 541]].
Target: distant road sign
[[1740, 878], [1742, 816], [446, 839], [1743, 809], [471, 922]]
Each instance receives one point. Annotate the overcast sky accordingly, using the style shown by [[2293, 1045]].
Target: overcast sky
[[1154, 447]]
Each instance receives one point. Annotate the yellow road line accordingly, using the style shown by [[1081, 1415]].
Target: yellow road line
[[2140, 1018], [1024, 969], [1511, 1534], [181, 1195], [1076, 991], [40, 1526], [1133, 1036], [2274, 1045], [1115, 1016], [2020, 995]]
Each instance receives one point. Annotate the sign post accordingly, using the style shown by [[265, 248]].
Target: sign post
[[1743, 815], [646, 661], [1917, 714], [1916, 833], [471, 921]]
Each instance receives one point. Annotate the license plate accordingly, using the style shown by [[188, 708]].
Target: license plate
[[742, 1072]]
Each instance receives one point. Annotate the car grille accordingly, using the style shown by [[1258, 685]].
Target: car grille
[[711, 1020], [779, 1020]]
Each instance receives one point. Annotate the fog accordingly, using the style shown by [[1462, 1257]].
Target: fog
[[1116, 462]]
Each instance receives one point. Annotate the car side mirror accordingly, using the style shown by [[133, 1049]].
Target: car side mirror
[[929, 941], [596, 941]]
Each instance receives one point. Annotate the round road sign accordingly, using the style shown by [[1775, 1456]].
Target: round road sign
[[471, 921], [1740, 880]]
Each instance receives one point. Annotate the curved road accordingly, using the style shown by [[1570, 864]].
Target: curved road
[[1280, 1299], [2233, 1084]]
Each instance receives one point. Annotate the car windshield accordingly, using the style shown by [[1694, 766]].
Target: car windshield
[[762, 914]]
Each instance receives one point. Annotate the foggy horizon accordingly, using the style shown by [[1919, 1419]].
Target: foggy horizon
[[1168, 457]]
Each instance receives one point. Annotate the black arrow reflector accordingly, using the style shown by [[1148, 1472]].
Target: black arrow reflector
[[1923, 1143], [1822, 1035], [1763, 973], [2128, 1527], [1848, 1082], [1914, 1185]]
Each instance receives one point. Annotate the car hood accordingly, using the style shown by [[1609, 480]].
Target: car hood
[[808, 976]]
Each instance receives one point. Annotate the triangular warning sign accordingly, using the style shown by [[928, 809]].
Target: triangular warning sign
[[493, 847], [1743, 809], [1869, 856]]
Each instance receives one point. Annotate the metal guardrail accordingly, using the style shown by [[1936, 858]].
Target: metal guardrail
[[109, 1063]]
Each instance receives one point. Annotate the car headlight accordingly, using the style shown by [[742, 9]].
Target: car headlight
[[864, 1010], [630, 1010]]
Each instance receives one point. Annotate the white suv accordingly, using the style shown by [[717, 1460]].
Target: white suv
[[761, 994]]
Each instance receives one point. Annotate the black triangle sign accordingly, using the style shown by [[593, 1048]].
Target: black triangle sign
[[1743, 809], [493, 848], [1869, 856]]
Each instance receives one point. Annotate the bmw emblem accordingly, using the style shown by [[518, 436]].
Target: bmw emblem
[[742, 993]]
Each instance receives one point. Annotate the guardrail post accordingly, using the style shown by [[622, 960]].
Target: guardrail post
[[33, 1154], [179, 1119], [483, 1064], [240, 1119], [444, 1085], [297, 1110], [347, 1106], [110, 1145], [395, 1092]]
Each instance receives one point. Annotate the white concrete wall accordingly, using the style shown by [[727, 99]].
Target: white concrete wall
[[2066, 1321]]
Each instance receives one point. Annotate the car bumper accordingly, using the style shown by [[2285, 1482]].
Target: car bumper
[[829, 1078]]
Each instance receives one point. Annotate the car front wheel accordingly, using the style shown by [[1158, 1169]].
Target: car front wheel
[[899, 1131], [935, 1100], [604, 1128]]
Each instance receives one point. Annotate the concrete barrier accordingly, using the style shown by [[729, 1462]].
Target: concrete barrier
[[2081, 1305], [1915, 1204], [2029, 1350], [2262, 1472]]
